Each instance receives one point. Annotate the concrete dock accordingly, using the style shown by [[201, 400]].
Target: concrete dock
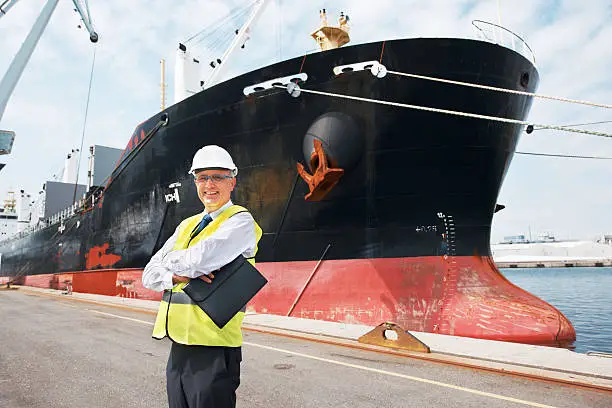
[[88, 350], [555, 254], [540, 262]]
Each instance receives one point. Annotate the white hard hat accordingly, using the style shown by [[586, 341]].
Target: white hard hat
[[213, 156]]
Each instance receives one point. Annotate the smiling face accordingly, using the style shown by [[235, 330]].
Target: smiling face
[[214, 188]]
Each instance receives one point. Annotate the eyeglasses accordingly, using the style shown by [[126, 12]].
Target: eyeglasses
[[215, 178]]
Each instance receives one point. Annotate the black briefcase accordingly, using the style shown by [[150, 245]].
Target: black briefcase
[[231, 289]]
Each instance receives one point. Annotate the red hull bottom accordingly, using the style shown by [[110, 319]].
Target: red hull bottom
[[462, 296]]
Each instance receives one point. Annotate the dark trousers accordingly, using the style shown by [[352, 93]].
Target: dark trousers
[[201, 376]]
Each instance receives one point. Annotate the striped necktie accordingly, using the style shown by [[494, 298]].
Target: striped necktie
[[205, 221]]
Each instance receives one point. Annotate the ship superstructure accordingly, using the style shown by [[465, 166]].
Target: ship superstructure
[[9, 217]]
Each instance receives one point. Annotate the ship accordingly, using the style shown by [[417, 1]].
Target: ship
[[375, 193]]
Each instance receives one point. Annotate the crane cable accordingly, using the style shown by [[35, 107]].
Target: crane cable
[[93, 62], [220, 23]]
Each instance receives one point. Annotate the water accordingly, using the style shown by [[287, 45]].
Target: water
[[583, 295]]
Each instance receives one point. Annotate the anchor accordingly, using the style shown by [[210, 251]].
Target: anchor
[[323, 178]]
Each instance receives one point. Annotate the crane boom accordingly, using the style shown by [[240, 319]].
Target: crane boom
[[10, 79], [5, 6], [239, 40]]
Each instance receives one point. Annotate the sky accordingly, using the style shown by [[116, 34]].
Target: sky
[[570, 198]]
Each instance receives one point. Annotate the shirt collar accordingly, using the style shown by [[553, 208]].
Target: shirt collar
[[216, 213]]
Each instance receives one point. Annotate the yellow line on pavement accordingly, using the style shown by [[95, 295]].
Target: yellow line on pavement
[[364, 368]]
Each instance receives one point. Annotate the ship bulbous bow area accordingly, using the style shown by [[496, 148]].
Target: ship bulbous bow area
[[332, 146], [458, 296], [481, 302]]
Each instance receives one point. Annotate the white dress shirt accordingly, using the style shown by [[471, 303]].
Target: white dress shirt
[[235, 236]]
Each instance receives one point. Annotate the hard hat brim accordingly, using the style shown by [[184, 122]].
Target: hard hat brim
[[194, 171]]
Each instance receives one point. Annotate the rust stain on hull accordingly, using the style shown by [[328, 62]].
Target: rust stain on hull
[[97, 257]]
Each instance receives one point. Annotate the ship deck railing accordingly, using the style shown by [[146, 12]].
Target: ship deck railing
[[57, 218], [499, 35]]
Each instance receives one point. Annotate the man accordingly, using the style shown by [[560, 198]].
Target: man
[[204, 364]]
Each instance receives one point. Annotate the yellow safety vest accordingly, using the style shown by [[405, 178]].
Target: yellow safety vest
[[182, 320]]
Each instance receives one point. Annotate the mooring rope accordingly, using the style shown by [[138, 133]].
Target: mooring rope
[[493, 88], [570, 156], [585, 124], [450, 112]]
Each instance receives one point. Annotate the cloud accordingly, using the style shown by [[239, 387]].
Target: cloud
[[571, 40]]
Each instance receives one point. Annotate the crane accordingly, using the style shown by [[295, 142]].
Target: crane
[[10, 79]]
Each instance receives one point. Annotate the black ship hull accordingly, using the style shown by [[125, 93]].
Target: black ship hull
[[418, 187]]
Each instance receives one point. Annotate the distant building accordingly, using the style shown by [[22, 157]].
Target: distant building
[[605, 239], [521, 239], [8, 217], [546, 237], [514, 239]]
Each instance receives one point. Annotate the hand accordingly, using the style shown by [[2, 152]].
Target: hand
[[208, 278], [179, 279]]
